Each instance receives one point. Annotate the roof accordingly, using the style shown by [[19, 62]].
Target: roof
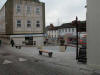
[[67, 25], [81, 26], [52, 28]]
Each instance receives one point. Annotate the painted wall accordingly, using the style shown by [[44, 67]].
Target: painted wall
[[52, 33], [93, 29], [65, 31]]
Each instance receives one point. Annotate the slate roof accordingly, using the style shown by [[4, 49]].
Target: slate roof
[[52, 28], [81, 27], [67, 25]]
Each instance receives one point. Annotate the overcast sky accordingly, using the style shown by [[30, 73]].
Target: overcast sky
[[63, 11]]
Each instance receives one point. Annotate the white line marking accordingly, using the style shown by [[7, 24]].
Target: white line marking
[[22, 59], [7, 61]]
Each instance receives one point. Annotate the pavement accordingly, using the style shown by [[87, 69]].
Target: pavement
[[27, 61], [64, 58]]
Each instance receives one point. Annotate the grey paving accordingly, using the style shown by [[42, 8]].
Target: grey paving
[[33, 66]]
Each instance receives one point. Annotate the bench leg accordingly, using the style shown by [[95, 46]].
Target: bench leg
[[50, 54], [40, 52]]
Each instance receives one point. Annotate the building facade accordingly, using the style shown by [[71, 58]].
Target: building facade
[[64, 29], [67, 29], [52, 32], [93, 27], [23, 21]]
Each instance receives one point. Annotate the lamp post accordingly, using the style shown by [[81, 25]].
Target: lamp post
[[77, 51]]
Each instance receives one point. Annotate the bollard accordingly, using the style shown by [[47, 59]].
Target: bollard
[[0, 42]]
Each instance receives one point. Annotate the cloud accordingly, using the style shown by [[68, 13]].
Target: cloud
[[65, 10]]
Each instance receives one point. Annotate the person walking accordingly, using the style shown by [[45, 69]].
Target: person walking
[[12, 43]]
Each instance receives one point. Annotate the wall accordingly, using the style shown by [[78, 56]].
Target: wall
[[32, 16], [39, 40], [2, 20], [65, 31], [93, 29], [52, 33], [9, 16]]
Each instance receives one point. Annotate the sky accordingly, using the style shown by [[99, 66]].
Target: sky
[[62, 11]]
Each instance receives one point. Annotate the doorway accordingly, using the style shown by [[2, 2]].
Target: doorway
[[29, 40]]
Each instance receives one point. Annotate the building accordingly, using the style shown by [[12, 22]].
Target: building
[[56, 31], [23, 21], [52, 32], [93, 29], [67, 29]]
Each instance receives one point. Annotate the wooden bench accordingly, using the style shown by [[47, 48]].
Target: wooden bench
[[45, 51], [18, 46]]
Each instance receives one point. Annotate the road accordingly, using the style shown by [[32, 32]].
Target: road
[[15, 64]]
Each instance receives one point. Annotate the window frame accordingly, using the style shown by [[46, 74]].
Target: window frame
[[18, 8], [28, 9], [18, 23], [37, 23], [29, 23], [38, 10]]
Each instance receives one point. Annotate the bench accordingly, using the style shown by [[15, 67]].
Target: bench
[[18, 46], [45, 51]]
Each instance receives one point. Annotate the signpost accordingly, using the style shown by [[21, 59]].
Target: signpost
[[77, 51]]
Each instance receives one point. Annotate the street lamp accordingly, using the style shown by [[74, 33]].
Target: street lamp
[[77, 52]]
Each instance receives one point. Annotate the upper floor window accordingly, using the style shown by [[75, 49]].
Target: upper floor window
[[38, 10], [37, 23], [18, 8], [28, 24], [18, 23], [28, 9]]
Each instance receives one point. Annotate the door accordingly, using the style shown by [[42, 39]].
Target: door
[[29, 40]]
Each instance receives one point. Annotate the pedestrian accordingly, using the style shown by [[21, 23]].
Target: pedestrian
[[12, 42]]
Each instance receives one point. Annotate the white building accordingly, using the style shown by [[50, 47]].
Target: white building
[[52, 32], [67, 29], [23, 20], [57, 31], [93, 30]]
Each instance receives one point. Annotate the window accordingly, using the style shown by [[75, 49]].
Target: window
[[72, 29], [18, 23], [66, 29], [38, 24], [18, 8], [28, 9], [69, 29], [34, 43], [28, 24], [38, 10], [62, 30]]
